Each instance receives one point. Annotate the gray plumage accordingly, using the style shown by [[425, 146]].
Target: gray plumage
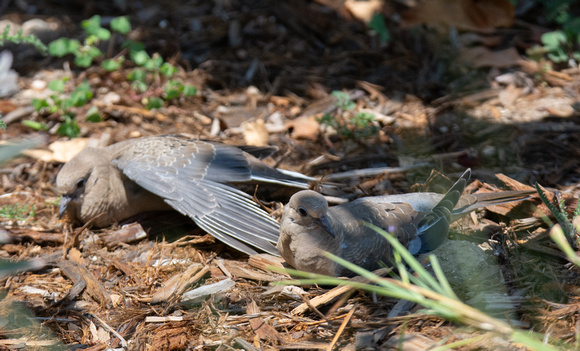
[[164, 172], [420, 221]]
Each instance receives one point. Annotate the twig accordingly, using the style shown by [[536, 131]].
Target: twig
[[341, 329], [314, 309], [334, 293], [111, 330]]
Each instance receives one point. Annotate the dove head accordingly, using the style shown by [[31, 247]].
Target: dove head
[[83, 183], [310, 210], [306, 234]]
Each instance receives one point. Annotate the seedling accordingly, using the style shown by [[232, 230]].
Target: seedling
[[22, 39], [18, 212], [356, 126], [150, 70], [60, 105], [562, 45]]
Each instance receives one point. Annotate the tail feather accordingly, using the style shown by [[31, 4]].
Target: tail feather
[[469, 203], [433, 229]]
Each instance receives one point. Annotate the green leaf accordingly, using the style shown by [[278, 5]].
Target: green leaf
[[63, 46], [39, 104], [154, 63], [558, 56], [189, 90], [83, 60], [121, 25], [92, 25], [35, 125], [133, 46], [139, 86], [69, 128], [171, 93], [113, 64], [377, 24], [93, 115], [93, 52], [139, 57], [56, 85], [553, 40], [168, 70], [138, 74], [343, 100], [172, 89], [362, 119], [81, 95], [103, 34], [153, 102]]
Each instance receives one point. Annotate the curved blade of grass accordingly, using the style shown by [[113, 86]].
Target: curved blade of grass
[[415, 265], [441, 277], [557, 234]]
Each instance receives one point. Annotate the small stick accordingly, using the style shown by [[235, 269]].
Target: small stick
[[111, 330], [341, 329], [314, 309]]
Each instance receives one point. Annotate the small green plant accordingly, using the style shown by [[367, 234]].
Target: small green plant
[[62, 105], [150, 70], [349, 125], [18, 212], [561, 214], [22, 39], [560, 45], [377, 24], [85, 53]]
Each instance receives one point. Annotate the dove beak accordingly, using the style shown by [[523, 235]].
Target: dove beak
[[324, 223], [64, 202]]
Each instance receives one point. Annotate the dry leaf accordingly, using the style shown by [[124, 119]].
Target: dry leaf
[[479, 16], [304, 127], [363, 10], [481, 56], [59, 151], [509, 95], [255, 133]]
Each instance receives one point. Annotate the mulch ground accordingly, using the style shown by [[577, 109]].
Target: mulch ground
[[264, 74]]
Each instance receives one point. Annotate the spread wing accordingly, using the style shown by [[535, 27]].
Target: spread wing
[[192, 177]]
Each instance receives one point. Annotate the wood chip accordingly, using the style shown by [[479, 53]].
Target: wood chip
[[175, 285], [83, 278], [263, 330], [264, 261], [244, 270], [334, 293], [127, 234]]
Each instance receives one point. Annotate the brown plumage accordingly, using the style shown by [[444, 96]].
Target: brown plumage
[[163, 172], [420, 221]]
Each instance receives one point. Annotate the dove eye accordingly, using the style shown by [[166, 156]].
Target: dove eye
[[81, 183], [302, 212]]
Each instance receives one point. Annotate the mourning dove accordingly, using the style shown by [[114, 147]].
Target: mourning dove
[[164, 172], [420, 221]]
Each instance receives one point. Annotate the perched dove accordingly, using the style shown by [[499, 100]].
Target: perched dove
[[164, 172], [420, 221]]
